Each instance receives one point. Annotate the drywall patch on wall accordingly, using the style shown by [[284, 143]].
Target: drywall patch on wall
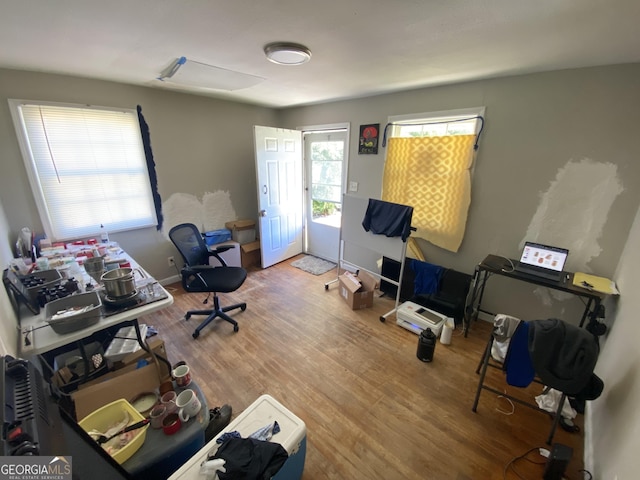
[[217, 210], [181, 208], [209, 214], [573, 211]]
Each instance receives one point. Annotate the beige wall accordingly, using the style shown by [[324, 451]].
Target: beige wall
[[535, 125], [200, 145]]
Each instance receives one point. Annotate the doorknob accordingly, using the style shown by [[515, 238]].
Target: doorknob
[[264, 189], [263, 213]]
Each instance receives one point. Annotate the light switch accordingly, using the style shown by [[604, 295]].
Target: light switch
[[353, 186]]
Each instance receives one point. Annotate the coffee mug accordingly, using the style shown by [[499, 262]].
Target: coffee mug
[[189, 405], [169, 401], [171, 424], [157, 415], [182, 375]]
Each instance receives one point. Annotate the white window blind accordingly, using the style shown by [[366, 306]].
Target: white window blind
[[86, 166]]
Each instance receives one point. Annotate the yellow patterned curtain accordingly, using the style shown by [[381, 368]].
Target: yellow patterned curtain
[[432, 175]]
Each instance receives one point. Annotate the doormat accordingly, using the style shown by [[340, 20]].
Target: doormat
[[314, 265]]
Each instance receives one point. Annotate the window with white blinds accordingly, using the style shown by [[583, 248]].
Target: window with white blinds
[[86, 166]]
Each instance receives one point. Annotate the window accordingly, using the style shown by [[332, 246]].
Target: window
[[326, 177], [428, 166], [86, 166]]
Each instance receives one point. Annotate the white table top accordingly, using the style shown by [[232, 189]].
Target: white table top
[[44, 339]]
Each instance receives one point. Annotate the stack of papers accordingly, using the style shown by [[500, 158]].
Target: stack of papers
[[598, 284]]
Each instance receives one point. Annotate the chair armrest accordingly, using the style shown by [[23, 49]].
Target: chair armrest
[[196, 268], [214, 252], [221, 248]]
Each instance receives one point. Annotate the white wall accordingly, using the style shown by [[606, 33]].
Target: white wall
[[611, 447], [8, 322]]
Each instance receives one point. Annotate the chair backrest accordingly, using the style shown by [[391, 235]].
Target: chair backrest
[[189, 242]]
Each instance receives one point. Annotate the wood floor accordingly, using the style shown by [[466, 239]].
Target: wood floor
[[371, 408]]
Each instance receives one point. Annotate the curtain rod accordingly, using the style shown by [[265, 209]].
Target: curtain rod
[[475, 146]]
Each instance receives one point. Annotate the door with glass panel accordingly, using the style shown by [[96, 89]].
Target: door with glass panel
[[325, 163]]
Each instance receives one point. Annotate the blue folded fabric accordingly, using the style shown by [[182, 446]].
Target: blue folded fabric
[[427, 277], [518, 365]]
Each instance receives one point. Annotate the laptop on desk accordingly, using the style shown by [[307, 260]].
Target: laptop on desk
[[542, 261]]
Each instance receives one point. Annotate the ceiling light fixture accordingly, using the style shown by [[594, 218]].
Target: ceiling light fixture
[[287, 53]]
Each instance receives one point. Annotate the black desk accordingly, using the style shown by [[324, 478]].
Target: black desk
[[494, 264]]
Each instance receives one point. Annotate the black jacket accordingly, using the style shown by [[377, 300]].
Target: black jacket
[[563, 355]]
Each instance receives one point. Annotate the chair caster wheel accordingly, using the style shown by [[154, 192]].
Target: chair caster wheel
[[243, 308], [326, 287], [236, 328], [196, 334], [187, 317], [382, 319]]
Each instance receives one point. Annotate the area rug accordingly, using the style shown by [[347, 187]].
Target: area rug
[[314, 265]]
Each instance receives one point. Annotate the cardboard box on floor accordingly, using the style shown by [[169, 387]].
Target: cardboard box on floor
[[125, 382], [358, 290], [250, 254]]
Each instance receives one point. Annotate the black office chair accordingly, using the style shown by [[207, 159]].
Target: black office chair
[[199, 276]]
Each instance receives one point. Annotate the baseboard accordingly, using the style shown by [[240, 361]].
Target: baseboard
[[169, 280], [588, 439], [486, 317]]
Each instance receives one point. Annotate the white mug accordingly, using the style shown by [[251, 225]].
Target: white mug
[[182, 375], [188, 404]]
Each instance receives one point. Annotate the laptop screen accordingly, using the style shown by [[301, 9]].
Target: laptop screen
[[544, 256]]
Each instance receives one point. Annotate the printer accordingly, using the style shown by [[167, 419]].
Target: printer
[[417, 318]]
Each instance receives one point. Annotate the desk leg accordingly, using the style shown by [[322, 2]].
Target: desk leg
[[471, 310], [483, 372], [587, 310]]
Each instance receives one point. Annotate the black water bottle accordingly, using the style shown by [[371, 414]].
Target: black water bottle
[[426, 345]]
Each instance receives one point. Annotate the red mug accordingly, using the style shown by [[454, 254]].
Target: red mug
[[171, 424]]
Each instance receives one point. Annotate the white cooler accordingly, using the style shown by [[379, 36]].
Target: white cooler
[[264, 411], [417, 318]]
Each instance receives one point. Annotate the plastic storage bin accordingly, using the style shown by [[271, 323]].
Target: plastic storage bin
[[78, 321], [112, 413], [217, 236], [125, 342], [264, 411], [242, 231], [40, 279]]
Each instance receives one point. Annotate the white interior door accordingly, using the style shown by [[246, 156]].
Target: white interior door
[[279, 178], [325, 155]]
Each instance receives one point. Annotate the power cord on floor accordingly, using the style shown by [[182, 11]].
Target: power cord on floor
[[586, 472], [513, 407], [544, 452], [511, 463]]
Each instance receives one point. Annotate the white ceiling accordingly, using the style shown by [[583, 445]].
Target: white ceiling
[[359, 47]]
